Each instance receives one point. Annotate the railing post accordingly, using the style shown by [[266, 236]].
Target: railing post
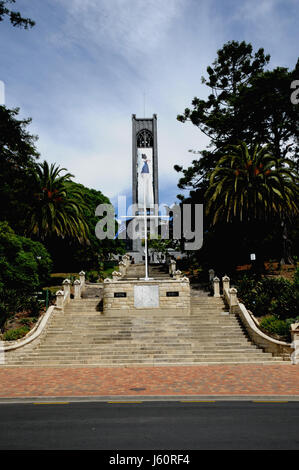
[[67, 288], [225, 282], [82, 279], [295, 343], [126, 259], [233, 299], [172, 267], [116, 275], [77, 287], [216, 287], [59, 299], [122, 268], [211, 275], [177, 275]]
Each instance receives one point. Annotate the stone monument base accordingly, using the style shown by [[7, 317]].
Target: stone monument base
[[168, 297]]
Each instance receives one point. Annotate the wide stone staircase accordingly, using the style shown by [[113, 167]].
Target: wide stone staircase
[[82, 335]]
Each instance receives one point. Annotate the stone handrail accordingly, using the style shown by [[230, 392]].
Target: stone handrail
[[32, 334], [276, 347], [62, 299]]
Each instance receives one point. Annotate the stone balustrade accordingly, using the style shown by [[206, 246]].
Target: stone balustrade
[[63, 296], [277, 348]]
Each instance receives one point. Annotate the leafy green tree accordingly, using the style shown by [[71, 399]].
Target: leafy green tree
[[69, 254], [98, 251], [246, 104], [220, 117], [14, 16], [25, 266], [252, 185], [58, 206], [270, 115], [18, 156], [161, 246]]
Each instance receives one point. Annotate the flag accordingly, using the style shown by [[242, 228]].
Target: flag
[[121, 229]]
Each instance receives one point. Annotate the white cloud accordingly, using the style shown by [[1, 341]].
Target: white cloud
[[129, 27], [96, 58]]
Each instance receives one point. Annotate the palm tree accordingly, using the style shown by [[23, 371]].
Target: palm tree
[[58, 205], [252, 185]]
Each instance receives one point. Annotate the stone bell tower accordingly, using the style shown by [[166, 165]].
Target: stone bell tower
[[144, 139], [144, 148]]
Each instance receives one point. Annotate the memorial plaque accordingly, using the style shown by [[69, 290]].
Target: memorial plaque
[[120, 294], [146, 296], [172, 294]]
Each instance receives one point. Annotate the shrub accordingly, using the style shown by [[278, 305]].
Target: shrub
[[92, 276], [276, 296], [13, 335], [24, 266], [275, 326], [28, 321]]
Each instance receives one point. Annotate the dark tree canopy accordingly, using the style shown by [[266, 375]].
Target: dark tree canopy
[[246, 104], [18, 156], [14, 16], [251, 104]]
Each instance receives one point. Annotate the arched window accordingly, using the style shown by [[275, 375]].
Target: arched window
[[144, 139]]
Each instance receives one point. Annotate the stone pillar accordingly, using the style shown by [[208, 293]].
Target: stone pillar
[[216, 286], [67, 288], [126, 260], [122, 268], [77, 287], [172, 267], [82, 279], [177, 275], [116, 275], [59, 299], [233, 299], [211, 275], [225, 282], [295, 343]]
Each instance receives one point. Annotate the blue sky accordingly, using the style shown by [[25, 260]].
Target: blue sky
[[85, 67]]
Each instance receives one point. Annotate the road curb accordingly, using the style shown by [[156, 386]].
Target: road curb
[[147, 398]]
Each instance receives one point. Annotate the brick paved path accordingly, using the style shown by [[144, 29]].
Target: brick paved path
[[219, 380]]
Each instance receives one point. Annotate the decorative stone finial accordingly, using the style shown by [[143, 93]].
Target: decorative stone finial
[[216, 282]]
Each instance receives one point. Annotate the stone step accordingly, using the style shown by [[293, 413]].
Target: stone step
[[82, 335], [137, 356], [138, 350], [151, 361]]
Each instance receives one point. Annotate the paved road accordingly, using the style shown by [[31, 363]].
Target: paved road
[[150, 425]]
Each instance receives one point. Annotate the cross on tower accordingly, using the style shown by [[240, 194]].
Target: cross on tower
[[145, 217]]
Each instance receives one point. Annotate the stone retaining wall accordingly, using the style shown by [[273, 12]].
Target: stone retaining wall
[[166, 304]]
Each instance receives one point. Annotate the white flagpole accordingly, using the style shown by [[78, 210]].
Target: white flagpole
[[145, 232]]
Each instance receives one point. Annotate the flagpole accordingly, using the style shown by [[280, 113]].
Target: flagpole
[[145, 234]]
